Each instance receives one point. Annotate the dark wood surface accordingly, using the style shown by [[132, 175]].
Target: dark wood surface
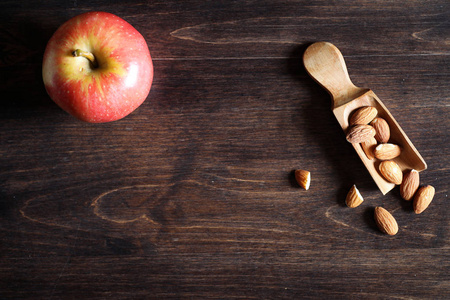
[[192, 196]]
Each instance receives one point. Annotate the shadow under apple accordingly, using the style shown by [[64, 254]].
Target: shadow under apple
[[22, 44]]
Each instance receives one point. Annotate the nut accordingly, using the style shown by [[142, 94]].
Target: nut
[[354, 198], [423, 198], [391, 172], [363, 115], [383, 133], [387, 151], [369, 146], [360, 133], [303, 178], [385, 221], [409, 185]]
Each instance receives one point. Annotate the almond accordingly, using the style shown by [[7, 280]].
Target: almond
[[363, 115], [369, 146], [423, 198], [383, 133], [409, 185], [385, 221], [354, 198], [391, 172], [360, 133], [387, 151], [303, 178]]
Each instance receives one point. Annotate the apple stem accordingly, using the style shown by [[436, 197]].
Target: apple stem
[[87, 55]]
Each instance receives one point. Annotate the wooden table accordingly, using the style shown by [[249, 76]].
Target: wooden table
[[192, 196]]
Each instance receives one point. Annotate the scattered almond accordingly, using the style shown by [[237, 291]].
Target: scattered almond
[[387, 151], [385, 221], [360, 133], [391, 172], [423, 198], [369, 146], [383, 133], [354, 198], [363, 115], [303, 178], [409, 185]]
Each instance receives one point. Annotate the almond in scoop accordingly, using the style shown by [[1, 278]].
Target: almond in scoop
[[325, 64]]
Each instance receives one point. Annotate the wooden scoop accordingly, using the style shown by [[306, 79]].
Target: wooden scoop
[[325, 64]]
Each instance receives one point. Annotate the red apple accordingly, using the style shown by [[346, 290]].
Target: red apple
[[97, 67]]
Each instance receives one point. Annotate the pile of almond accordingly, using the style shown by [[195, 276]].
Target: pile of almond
[[373, 133]]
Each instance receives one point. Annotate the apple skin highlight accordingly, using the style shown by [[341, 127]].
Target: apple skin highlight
[[112, 87]]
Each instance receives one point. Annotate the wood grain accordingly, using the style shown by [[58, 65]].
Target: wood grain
[[192, 196]]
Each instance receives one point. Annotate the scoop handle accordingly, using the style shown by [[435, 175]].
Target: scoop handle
[[326, 65]]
